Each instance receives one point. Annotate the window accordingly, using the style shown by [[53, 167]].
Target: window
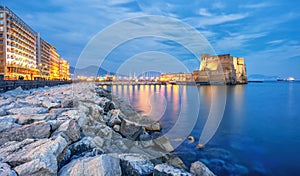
[[1, 22], [1, 28], [1, 15]]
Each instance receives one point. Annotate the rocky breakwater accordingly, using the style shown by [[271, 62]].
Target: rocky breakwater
[[80, 129]]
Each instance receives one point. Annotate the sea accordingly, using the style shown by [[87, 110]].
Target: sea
[[251, 129]]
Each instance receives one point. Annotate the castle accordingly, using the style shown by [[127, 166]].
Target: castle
[[221, 69]]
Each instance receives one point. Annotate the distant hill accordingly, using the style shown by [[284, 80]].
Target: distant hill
[[262, 77], [90, 71]]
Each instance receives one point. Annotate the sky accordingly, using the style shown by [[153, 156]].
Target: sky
[[265, 33]]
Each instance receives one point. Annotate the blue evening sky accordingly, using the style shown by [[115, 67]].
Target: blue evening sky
[[265, 33]]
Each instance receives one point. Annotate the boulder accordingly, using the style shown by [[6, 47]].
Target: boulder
[[7, 122], [154, 126], [48, 104], [27, 110], [30, 118], [31, 157], [199, 168], [71, 129], [114, 118], [168, 170], [37, 130], [84, 147], [67, 103], [106, 164], [131, 130], [6, 170], [164, 143], [135, 164], [109, 106]]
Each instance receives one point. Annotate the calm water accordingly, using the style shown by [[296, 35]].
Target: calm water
[[259, 133]]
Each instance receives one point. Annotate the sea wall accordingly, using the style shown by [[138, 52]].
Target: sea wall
[[80, 129]]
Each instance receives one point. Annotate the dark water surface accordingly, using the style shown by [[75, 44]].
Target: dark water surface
[[259, 133]]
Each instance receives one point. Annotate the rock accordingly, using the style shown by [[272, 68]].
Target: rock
[[191, 139], [156, 135], [117, 128], [71, 129], [135, 164], [167, 170], [131, 130], [164, 143], [199, 168], [155, 126], [145, 137], [176, 161], [4, 102], [2, 112], [98, 141], [114, 118], [48, 104], [31, 157], [94, 111], [68, 103], [109, 106], [200, 146], [84, 147], [106, 165], [7, 122], [30, 118], [27, 110], [37, 130], [5, 170]]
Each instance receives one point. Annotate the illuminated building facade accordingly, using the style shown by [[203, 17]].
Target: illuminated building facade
[[64, 69], [23, 54], [178, 77], [221, 69], [18, 47], [44, 59], [54, 64]]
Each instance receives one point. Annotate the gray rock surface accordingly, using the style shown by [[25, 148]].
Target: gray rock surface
[[28, 110], [5, 170], [37, 130], [135, 164], [103, 165], [200, 169], [131, 130], [168, 170], [34, 157], [77, 129]]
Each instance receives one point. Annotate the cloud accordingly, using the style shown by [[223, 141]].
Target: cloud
[[218, 5], [204, 12], [236, 41], [274, 42], [257, 6], [215, 19]]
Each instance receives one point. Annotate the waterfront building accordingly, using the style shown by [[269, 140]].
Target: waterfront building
[[221, 69], [18, 47], [176, 77], [54, 64], [24, 54], [64, 69], [44, 59]]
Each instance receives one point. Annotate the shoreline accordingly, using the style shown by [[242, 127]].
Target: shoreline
[[69, 129]]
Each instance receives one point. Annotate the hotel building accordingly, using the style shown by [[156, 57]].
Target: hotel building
[[23, 53]]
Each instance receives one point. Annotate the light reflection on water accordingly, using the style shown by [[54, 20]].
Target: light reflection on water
[[259, 133]]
